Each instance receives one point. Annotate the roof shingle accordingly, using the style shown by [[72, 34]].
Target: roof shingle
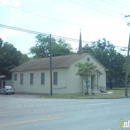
[[44, 63]]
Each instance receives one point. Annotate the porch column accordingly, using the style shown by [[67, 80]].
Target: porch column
[[85, 86], [97, 82], [89, 85]]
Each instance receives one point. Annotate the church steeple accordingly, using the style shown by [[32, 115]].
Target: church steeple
[[80, 50]]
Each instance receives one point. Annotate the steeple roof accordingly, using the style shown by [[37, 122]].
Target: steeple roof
[[80, 50]]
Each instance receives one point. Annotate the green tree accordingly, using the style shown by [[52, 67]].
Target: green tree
[[10, 57], [85, 70], [1, 42], [24, 58], [124, 69], [42, 47], [106, 53]]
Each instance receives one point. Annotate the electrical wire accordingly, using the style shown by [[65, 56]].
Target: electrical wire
[[96, 9], [57, 19], [121, 4], [116, 5], [36, 14], [45, 34], [47, 17], [102, 7]]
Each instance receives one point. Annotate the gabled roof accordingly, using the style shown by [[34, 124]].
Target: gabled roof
[[44, 63]]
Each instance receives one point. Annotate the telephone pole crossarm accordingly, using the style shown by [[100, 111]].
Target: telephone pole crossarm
[[127, 16]]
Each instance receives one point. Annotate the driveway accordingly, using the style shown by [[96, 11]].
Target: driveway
[[29, 112]]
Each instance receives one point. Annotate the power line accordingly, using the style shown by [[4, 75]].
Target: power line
[[95, 9], [58, 19], [101, 7], [116, 5], [47, 17], [121, 4], [45, 34], [22, 30], [35, 32]]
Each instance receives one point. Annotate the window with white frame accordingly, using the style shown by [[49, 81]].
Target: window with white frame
[[21, 78], [31, 78], [15, 77], [42, 78], [55, 78]]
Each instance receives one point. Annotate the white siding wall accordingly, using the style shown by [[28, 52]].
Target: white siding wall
[[68, 81], [102, 78], [75, 81], [62, 86], [37, 87]]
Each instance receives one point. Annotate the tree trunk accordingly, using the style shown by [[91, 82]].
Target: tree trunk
[[110, 83], [87, 84]]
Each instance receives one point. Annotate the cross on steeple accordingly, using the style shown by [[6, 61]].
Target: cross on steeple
[[80, 50]]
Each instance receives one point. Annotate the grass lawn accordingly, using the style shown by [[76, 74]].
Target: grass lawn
[[111, 94]]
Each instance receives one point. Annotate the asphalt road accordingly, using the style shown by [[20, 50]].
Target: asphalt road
[[23, 112]]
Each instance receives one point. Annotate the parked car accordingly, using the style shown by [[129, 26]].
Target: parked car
[[7, 90]]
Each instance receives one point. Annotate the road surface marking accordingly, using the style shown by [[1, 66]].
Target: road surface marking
[[94, 104], [30, 121]]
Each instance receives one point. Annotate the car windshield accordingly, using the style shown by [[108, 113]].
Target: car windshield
[[8, 87]]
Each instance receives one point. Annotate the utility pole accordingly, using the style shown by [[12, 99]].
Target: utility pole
[[127, 68], [51, 92], [127, 63]]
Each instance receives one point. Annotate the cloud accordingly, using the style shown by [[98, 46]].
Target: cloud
[[15, 3], [8, 32]]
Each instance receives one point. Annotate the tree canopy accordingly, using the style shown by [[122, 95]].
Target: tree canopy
[[85, 70], [10, 57], [42, 47], [106, 53], [102, 50]]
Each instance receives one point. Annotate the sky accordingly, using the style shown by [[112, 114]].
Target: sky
[[96, 19]]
